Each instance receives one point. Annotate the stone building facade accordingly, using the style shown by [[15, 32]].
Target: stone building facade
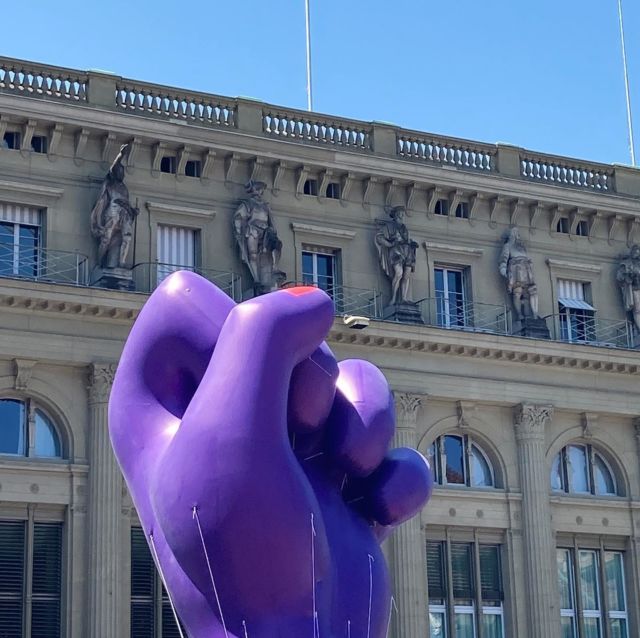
[[534, 528]]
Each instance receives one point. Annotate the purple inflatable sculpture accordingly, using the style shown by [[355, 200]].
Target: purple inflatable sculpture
[[259, 466]]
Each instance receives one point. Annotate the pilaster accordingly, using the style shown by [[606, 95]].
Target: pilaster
[[539, 551], [105, 496], [409, 563]]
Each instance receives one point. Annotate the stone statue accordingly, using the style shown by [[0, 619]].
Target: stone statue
[[516, 267], [257, 238], [112, 216], [397, 254], [628, 277]]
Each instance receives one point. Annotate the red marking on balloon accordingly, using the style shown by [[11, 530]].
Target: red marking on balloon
[[300, 290]]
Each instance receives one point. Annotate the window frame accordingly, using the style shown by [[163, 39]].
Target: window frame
[[441, 207], [310, 188], [159, 599], [604, 614], [171, 164], [475, 606], [31, 409], [27, 596], [16, 141], [590, 453], [439, 462], [445, 318]]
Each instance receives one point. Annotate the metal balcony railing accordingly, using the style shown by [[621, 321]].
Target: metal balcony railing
[[348, 300], [591, 330], [148, 275], [456, 314], [43, 264]]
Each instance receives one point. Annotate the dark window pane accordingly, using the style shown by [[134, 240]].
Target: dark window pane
[[462, 573], [47, 575], [143, 586], [168, 164], [39, 144], [169, 625], [47, 440], [604, 481], [12, 427], [193, 168], [490, 572], [7, 248], [435, 570], [12, 544], [27, 252], [310, 187], [454, 456], [480, 469]]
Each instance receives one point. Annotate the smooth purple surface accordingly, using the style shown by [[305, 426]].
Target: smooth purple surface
[[234, 410]]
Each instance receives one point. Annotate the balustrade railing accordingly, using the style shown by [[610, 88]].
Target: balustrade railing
[[348, 300], [316, 129], [42, 264], [591, 330], [564, 172], [148, 275], [448, 151], [152, 99], [33, 79], [457, 314]]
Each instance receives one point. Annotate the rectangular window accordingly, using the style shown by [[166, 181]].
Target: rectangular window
[[462, 210], [39, 144], [11, 140], [19, 241], [193, 168], [176, 250], [584, 595], [577, 315], [151, 612], [461, 593], [333, 190], [563, 225], [450, 298], [310, 187], [319, 269], [30, 579], [442, 207], [582, 229], [168, 164]]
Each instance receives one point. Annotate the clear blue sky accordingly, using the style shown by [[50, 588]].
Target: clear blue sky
[[546, 75]]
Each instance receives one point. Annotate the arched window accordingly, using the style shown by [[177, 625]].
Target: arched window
[[458, 460], [580, 469], [25, 430]]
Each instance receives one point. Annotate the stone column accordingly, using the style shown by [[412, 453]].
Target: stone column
[[104, 508], [539, 548], [408, 548]]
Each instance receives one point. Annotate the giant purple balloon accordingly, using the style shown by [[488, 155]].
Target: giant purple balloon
[[259, 467]]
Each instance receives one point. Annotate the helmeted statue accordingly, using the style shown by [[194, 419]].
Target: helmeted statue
[[516, 267], [112, 216], [397, 254], [628, 277], [257, 238]]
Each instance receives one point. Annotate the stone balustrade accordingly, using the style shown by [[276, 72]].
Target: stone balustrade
[[35, 79], [562, 171], [143, 98], [448, 151], [258, 118], [317, 129]]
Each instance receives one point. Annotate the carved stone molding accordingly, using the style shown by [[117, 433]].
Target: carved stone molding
[[101, 380], [589, 422], [407, 406], [530, 420], [465, 411], [23, 369]]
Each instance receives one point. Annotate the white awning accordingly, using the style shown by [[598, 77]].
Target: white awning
[[578, 304]]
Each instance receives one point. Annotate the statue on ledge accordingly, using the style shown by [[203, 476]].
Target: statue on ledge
[[257, 239], [628, 277], [516, 267], [113, 216], [397, 254]]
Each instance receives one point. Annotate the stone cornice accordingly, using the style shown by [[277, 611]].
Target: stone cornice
[[34, 193], [488, 347], [452, 249], [323, 231], [178, 211], [560, 264]]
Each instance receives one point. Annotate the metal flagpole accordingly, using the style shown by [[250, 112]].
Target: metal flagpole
[[309, 91], [626, 87]]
